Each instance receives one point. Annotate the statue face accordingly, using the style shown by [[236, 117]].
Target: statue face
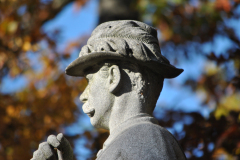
[[97, 100]]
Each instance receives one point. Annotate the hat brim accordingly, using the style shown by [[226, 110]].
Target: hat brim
[[78, 66]]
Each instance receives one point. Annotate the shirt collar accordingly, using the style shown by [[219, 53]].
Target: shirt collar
[[140, 118]]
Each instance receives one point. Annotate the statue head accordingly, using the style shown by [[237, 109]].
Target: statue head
[[123, 63]]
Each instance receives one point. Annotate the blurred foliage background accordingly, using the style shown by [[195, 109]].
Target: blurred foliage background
[[201, 36]]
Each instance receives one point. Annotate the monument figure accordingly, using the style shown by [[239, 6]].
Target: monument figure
[[125, 70]]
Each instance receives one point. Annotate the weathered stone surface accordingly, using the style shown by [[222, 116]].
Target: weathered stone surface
[[141, 137], [125, 40], [125, 70]]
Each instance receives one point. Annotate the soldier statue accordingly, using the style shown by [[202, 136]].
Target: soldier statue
[[125, 69]]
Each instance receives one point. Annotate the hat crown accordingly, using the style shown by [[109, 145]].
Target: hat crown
[[127, 38], [126, 29], [124, 40]]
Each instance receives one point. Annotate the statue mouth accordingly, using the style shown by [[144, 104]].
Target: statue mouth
[[90, 111]]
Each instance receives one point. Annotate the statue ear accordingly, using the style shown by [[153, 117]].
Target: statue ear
[[114, 78]]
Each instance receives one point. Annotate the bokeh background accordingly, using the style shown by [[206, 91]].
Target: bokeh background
[[39, 38]]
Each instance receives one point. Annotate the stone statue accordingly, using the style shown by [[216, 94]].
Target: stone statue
[[125, 70]]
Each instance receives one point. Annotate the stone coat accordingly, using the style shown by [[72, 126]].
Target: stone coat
[[140, 138]]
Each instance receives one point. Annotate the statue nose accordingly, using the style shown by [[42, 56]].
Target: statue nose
[[84, 95]]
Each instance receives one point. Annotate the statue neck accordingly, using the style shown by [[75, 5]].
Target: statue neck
[[125, 106]]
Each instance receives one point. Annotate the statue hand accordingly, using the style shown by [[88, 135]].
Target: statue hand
[[46, 150]]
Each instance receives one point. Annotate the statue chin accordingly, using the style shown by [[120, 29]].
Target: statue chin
[[95, 123], [90, 111], [98, 123]]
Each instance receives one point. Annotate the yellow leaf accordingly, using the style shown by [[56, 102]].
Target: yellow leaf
[[232, 102], [220, 112], [10, 110], [229, 103], [221, 153], [211, 68], [26, 46], [18, 41], [12, 26]]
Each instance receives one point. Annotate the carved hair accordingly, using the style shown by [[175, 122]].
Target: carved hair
[[145, 82]]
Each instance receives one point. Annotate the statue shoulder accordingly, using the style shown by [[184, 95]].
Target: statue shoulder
[[149, 130], [145, 141]]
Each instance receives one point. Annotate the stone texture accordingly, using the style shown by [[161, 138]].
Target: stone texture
[[125, 40], [125, 70], [141, 137]]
